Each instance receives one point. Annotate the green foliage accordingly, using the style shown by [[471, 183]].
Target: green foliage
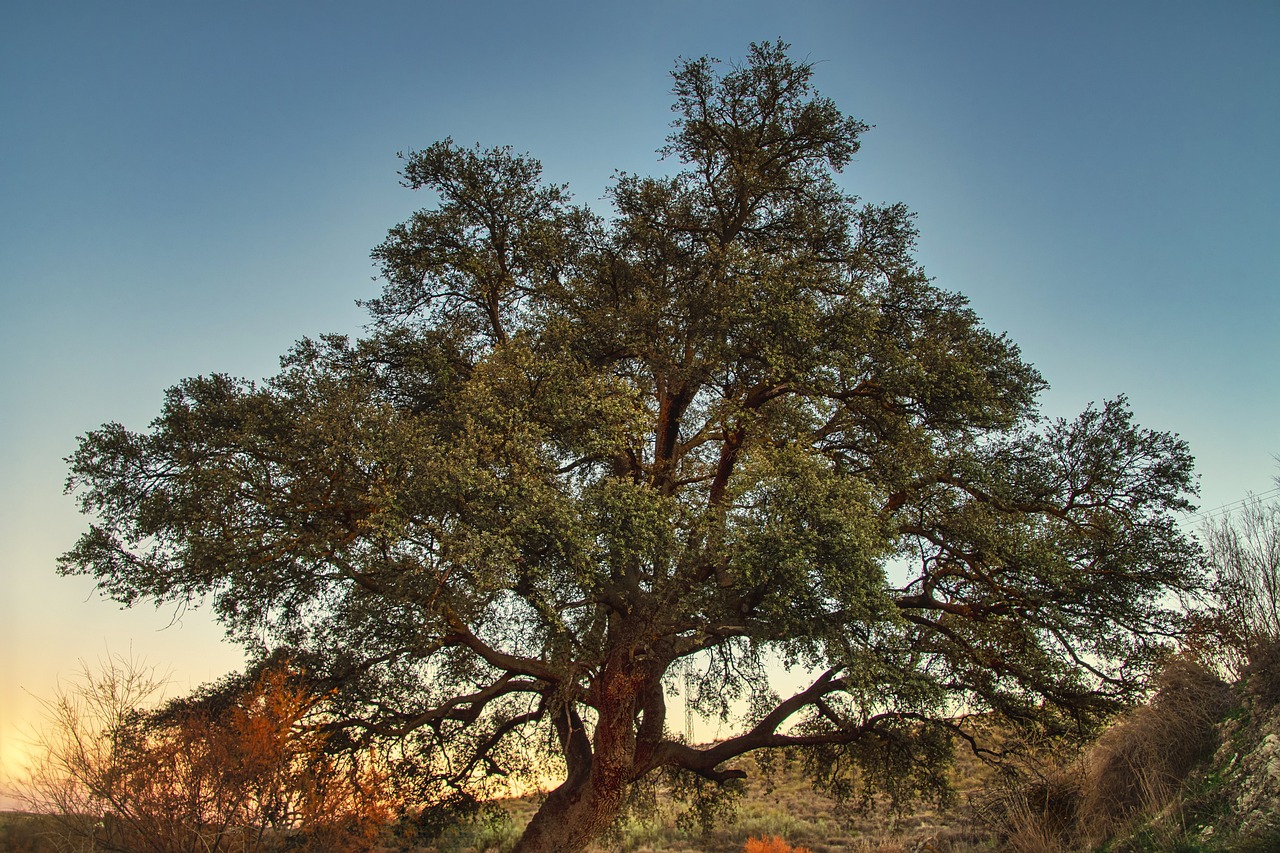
[[577, 460]]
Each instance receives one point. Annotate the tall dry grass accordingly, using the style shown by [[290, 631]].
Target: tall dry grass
[[1135, 771]]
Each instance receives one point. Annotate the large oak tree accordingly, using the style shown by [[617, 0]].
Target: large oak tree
[[578, 462]]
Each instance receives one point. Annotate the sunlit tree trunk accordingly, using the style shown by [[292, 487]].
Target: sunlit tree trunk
[[573, 816], [601, 769]]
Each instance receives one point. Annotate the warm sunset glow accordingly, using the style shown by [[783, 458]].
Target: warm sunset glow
[[188, 190]]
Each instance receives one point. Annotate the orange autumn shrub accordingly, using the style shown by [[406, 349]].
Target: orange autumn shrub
[[771, 845], [246, 769]]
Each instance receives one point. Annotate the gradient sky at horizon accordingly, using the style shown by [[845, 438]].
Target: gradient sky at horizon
[[189, 188]]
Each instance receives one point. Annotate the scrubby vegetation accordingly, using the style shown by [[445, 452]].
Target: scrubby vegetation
[[1188, 771], [244, 766], [1197, 770]]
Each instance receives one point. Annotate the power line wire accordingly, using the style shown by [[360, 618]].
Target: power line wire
[[1225, 509]]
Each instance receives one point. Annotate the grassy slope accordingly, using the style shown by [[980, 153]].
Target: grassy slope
[[25, 833]]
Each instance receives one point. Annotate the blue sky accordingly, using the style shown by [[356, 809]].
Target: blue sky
[[188, 188]]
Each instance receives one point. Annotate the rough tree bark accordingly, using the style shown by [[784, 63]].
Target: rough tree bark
[[601, 767]]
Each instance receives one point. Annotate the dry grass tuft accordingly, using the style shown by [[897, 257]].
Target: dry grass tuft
[[1137, 769], [1139, 765], [1039, 815]]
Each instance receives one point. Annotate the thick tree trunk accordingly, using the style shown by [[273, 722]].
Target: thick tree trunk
[[599, 772], [572, 817]]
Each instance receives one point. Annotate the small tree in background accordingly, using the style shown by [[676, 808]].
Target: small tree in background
[[237, 770], [73, 771], [1243, 548]]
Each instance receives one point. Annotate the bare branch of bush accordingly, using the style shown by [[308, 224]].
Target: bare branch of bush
[[1244, 552], [251, 774]]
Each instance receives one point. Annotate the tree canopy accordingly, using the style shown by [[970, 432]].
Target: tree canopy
[[577, 462]]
